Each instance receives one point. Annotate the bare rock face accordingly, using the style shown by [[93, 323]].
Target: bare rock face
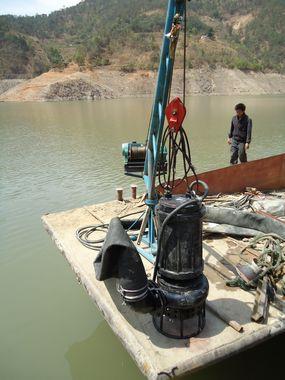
[[7, 84], [77, 89], [71, 84]]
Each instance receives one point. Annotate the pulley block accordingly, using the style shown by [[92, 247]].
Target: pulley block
[[175, 113]]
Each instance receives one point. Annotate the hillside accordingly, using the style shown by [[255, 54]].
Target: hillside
[[126, 35], [105, 83]]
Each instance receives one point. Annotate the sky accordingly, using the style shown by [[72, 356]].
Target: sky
[[32, 7]]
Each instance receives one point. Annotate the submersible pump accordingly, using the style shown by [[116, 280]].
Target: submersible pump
[[179, 267], [177, 293]]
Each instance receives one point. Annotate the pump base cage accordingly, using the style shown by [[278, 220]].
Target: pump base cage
[[182, 312], [180, 324]]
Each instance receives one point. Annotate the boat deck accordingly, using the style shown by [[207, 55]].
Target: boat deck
[[159, 357]]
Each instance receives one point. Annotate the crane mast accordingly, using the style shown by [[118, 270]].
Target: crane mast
[[147, 157]]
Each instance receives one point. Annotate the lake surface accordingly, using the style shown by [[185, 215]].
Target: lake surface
[[57, 156]]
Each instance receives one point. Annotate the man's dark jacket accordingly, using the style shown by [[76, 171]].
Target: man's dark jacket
[[241, 129]]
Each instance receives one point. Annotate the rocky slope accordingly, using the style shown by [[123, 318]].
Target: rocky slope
[[6, 84], [72, 84]]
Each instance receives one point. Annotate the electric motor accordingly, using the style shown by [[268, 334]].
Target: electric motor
[[181, 242]]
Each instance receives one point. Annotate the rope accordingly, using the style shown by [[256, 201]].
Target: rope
[[271, 261], [243, 202]]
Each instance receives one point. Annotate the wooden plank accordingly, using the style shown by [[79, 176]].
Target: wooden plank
[[264, 174]]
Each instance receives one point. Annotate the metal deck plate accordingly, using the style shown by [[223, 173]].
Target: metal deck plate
[[155, 354]]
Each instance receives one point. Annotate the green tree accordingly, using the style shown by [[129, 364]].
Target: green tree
[[80, 56], [55, 57]]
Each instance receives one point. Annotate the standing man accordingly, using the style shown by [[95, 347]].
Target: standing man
[[240, 135]]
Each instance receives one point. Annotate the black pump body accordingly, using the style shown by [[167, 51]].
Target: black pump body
[[180, 268], [181, 243]]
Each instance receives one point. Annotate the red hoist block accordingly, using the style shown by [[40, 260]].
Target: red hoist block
[[175, 113]]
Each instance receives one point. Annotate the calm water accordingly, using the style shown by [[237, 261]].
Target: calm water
[[56, 156]]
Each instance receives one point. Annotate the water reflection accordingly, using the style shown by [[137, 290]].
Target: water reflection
[[58, 156]]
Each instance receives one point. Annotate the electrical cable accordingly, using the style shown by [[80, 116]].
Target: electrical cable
[[83, 233], [177, 142]]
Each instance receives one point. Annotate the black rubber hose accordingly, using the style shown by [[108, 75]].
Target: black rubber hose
[[119, 259], [245, 219]]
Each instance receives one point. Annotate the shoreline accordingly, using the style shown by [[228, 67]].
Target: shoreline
[[73, 84], [146, 96]]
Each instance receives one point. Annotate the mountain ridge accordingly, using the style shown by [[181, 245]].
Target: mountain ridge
[[247, 35]]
